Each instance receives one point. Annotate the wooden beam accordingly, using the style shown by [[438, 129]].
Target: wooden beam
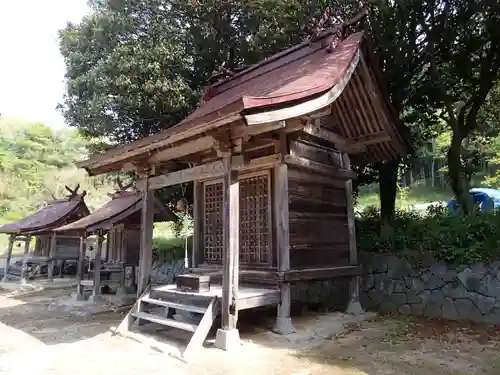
[[79, 268], [245, 131], [341, 143], [24, 269], [52, 254], [9, 257], [175, 152], [206, 171], [196, 256], [322, 273], [371, 139], [353, 249], [96, 291], [146, 246], [281, 217], [303, 163], [200, 172], [230, 241]]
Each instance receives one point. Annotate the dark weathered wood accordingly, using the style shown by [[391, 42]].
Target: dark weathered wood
[[282, 239], [97, 266], [301, 175], [303, 163], [353, 250], [9, 257], [146, 246], [127, 321], [200, 172], [315, 153], [24, 269], [201, 332], [197, 254], [282, 216], [80, 268], [190, 147], [193, 283], [319, 257], [321, 273], [52, 253], [230, 220], [325, 135]]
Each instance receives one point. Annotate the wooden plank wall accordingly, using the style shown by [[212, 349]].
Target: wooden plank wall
[[319, 234]]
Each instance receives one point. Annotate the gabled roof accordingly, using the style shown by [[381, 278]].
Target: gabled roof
[[121, 207], [53, 214], [296, 75]]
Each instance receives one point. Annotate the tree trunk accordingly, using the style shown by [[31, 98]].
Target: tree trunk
[[433, 177], [456, 173], [388, 187]]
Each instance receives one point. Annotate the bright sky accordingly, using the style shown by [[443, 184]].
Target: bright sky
[[31, 67]]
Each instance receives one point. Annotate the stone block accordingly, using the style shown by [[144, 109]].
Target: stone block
[[417, 309], [398, 299], [369, 281], [397, 268], [433, 309], [490, 286], [379, 263], [405, 309], [449, 309], [455, 290], [464, 275], [493, 317], [479, 270], [483, 303], [412, 297], [464, 308], [443, 271], [399, 286]]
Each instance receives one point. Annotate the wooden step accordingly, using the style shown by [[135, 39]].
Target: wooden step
[[174, 305], [165, 321]]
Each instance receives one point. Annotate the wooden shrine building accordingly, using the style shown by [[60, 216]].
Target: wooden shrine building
[[120, 221], [50, 250], [269, 151]]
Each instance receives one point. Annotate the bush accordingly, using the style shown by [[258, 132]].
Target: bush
[[454, 239]]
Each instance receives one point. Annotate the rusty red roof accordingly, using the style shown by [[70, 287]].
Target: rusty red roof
[[295, 75], [119, 208], [53, 214]]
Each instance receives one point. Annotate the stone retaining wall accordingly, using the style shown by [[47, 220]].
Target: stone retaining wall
[[472, 292]]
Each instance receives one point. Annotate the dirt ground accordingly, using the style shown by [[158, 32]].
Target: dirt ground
[[35, 339]]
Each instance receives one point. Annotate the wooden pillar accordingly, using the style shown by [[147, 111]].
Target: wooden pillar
[[24, 269], [196, 255], [228, 336], [80, 269], [9, 257], [96, 290], [281, 215], [354, 306], [52, 254], [146, 247]]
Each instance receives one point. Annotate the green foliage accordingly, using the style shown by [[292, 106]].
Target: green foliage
[[454, 239]]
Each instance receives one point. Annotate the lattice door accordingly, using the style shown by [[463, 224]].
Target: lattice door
[[255, 223], [212, 223], [255, 239]]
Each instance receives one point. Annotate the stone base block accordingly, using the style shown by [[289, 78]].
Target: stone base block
[[284, 326], [355, 308], [227, 339]]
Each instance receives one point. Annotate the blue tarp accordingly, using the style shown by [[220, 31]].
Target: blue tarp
[[487, 199]]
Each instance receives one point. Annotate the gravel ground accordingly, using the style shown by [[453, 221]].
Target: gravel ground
[[37, 339]]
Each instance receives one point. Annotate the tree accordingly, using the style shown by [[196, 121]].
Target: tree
[[463, 63]]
